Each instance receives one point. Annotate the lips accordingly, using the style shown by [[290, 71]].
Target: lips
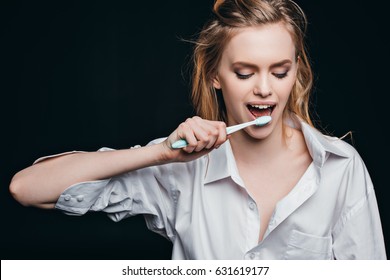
[[260, 110]]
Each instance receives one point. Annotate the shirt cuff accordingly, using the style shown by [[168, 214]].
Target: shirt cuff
[[82, 197]]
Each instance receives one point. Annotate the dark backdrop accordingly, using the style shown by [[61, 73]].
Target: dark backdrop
[[78, 75]]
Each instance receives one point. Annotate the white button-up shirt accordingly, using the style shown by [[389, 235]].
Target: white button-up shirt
[[204, 208]]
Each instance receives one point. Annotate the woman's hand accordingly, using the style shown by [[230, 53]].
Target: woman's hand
[[201, 135]]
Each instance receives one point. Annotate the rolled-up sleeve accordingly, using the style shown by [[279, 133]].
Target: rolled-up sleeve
[[146, 191]]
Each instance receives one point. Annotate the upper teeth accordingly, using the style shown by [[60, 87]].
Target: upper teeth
[[262, 106]]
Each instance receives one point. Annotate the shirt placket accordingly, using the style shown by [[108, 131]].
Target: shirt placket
[[303, 191], [253, 227]]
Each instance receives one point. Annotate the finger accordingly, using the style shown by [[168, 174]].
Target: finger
[[216, 133], [222, 136], [201, 132], [185, 131], [195, 130], [207, 133], [212, 137]]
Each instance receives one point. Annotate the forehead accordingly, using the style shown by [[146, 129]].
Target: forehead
[[260, 44]]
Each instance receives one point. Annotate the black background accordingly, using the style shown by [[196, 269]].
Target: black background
[[82, 75]]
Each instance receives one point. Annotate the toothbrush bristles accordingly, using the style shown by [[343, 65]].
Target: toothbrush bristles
[[263, 120]]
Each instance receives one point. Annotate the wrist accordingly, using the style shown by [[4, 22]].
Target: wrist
[[164, 152]]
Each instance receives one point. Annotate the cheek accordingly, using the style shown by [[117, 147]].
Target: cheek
[[284, 89], [235, 88], [231, 89], [228, 84]]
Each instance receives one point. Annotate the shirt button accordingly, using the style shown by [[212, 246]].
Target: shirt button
[[67, 197], [80, 198], [252, 256], [252, 205]]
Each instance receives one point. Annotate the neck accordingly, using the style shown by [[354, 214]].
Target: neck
[[258, 152]]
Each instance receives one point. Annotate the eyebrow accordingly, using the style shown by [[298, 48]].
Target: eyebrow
[[250, 65]]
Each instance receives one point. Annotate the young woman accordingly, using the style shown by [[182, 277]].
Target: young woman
[[280, 191]]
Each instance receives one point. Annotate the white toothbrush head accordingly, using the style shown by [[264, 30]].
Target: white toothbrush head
[[260, 121]]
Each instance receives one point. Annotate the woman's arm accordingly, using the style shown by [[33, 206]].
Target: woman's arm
[[41, 184]]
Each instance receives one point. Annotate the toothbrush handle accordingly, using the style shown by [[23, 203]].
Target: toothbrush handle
[[179, 144], [229, 130], [234, 128]]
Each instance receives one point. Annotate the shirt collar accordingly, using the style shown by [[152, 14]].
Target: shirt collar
[[221, 162], [320, 146]]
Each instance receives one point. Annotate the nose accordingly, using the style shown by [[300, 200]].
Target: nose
[[262, 86]]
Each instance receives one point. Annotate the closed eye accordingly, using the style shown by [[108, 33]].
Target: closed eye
[[280, 75], [243, 76]]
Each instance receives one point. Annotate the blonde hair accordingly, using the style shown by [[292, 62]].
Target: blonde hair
[[229, 16]]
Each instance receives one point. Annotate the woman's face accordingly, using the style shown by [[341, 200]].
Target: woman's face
[[256, 74]]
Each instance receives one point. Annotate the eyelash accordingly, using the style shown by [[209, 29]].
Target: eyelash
[[281, 75], [243, 76], [247, 76]]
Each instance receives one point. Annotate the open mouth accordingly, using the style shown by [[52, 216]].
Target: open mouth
[[260, 110]]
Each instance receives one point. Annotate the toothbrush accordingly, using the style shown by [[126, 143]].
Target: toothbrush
[[261, 121]]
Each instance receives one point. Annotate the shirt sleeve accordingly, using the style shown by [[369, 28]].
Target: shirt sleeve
[[358, 232], [146, 191]]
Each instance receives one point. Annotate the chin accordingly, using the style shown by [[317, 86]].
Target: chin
[[259, 133]]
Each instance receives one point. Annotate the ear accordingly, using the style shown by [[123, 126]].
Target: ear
[[216, 82]]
